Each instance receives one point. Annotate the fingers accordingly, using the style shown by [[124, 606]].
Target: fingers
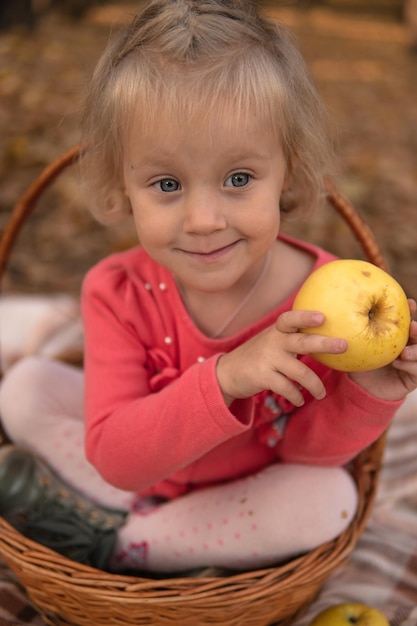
[[290, 322], [406, 364], [315, 344], [293, 373], [284, 387], [293, 377], [409, 354], [413, 333], [269, 360]]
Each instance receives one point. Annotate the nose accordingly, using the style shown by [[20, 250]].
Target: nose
[[203, 213]]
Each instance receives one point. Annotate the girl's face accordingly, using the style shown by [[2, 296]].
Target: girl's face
[[206, 201]]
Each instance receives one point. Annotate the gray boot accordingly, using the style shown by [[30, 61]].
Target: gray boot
[[40, 505]]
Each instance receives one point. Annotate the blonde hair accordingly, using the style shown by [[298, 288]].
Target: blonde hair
[[201, 59]]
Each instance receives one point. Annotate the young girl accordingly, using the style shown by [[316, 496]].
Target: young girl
[[212, 437]]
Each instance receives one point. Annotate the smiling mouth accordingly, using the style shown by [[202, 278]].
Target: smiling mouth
[[212, 254]]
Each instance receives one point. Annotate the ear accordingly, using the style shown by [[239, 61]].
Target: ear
[[127, 204], [287, 182], [289, 174], [122, 189]]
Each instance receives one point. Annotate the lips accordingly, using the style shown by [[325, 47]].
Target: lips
[[211, 255]]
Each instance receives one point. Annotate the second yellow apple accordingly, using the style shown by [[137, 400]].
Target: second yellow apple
[[349, 613]]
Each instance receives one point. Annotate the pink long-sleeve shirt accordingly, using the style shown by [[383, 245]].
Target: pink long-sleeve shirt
[[155, 417]]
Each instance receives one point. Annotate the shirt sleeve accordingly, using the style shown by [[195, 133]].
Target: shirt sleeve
[[136, 437], [334, 430]]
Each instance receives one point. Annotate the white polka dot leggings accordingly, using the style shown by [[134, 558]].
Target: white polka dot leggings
[[253, 522]]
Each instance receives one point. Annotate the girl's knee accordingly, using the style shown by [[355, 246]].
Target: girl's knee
[[21, 393], [334, 500], [313, 504]]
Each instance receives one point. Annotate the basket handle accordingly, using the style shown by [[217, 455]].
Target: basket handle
[[28, 200], [358, 226]]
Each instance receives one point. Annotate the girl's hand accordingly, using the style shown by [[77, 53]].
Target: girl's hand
[[396, 380], [269, 360]]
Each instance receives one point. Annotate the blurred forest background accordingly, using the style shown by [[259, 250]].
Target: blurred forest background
[[361, 54]]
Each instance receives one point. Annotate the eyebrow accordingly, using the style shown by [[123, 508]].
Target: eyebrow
[[245, 155], [159, 158]]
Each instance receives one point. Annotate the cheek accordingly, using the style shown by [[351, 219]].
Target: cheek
[[153, 229], [148, 229], [266, 227], [265, 217]]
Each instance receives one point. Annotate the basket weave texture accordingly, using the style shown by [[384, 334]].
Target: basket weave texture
[[69, 594]]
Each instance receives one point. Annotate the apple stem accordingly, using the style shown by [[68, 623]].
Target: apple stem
[[371, 312]]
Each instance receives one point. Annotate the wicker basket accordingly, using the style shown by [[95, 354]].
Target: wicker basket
[[67, 593]]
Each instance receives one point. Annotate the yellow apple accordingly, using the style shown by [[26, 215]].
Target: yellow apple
[[362, 304], [348, 614]]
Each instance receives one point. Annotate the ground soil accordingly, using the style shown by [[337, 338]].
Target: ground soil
[[363, 65]]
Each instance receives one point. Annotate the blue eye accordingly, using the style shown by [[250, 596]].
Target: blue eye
[[168, 184], [240, 179]]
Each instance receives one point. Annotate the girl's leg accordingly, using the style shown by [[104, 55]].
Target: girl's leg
[[41, 408], [278, 513], [254, 522]]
